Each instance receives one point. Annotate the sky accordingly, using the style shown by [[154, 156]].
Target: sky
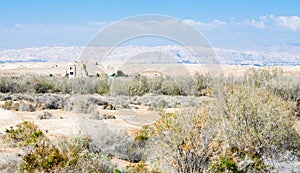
[[226, 24]]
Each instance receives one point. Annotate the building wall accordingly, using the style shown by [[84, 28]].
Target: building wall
[[72, 71], [82, 69]]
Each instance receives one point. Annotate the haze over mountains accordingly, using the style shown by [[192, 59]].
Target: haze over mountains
[[268, 55]]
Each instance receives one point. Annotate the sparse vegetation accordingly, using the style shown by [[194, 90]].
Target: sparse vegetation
[[45, 116], [43, 156], [248, 124], [10, 105], [242, 124], [119, 73], [25, 133], [184, 142], [254, 117], [121, 84]]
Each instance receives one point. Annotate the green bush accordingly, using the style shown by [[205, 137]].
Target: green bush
[[43, 158], [69, 156], [102, 87], [141, 85], [169, 87], [40, 155], [46, 87], [138, 86], [225, 164], [83, 158], [24, 134], [235, 160], [119, 73]]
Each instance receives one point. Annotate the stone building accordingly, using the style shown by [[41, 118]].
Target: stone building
[[82, 69]]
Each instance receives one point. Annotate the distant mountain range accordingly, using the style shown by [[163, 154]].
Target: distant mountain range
[[57, 53], [267, 55]]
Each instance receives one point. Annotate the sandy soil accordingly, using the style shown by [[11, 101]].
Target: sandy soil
[[68, 124]]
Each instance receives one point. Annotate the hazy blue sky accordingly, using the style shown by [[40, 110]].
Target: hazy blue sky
[[231, 23]]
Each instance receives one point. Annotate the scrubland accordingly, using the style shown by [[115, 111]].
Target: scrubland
[[246, 123]]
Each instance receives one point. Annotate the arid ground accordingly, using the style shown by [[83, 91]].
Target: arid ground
[[66, 123]]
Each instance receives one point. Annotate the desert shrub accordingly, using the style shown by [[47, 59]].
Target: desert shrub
[[169, 87], [24, 102], [141, 85], [98, 116], [7, 84], [288, 88], [275, 81], [83, 86], [74, 155], [87, 104], [125, 148], [119, 86], [45, 116], [235, 160], [37, 155], [108, 116], [102, 87], [65, 85], [10, 105], [203, 85], [28, 84], [124, 85], [154, 84], [25, 133], [225, 164], [184, 142], [45, 86], [19, 106], [117, 143], [50, 101], [25, 84], [119, 73], [143, 133], [138, 86], [17, 97], [81, 104], [257, 78], [252, 117], [40, 84], [27, 106], [43, 158], [83, 157]]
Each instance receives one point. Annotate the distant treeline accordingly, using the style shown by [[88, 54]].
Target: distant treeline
[[125, 85]]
